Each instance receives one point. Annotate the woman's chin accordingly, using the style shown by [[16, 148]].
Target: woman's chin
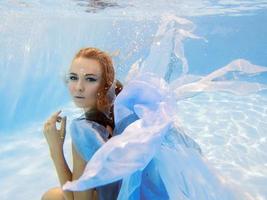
[[82, 106], [79, 104]]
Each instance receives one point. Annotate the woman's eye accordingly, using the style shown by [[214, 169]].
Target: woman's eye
[[73, 78], [90, 79]]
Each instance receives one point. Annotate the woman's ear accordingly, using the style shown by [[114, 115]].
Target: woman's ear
[[118, 87]]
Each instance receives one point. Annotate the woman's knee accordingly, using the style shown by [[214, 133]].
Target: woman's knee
[[53, 194]]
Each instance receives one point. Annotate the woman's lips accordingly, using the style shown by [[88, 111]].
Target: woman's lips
[[79, 97]]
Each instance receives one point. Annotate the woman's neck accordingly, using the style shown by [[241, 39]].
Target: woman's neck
[[88, 109]]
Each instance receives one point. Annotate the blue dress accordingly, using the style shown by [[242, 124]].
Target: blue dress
[[87, 137], [151, 153]]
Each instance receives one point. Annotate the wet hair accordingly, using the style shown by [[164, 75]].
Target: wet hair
[[108, 74], [99, 117], [104, 103]]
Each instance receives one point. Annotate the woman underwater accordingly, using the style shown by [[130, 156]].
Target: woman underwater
[[149, 152], [90, 83]]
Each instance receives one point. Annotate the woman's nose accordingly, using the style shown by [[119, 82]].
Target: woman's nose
[[80, 86]]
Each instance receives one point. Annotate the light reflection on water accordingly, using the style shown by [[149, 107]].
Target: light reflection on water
[[232, 134]]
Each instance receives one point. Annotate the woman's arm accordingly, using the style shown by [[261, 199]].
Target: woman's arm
[[78, 168], [63, 171], [55, 139]]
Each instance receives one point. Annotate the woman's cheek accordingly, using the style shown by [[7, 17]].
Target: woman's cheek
[[71, 88], [95, 88], [93, 92]]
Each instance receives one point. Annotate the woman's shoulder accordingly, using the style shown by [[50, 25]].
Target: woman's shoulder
[[87, 137], [85, 126]]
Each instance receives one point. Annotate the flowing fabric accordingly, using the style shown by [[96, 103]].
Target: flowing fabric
[[151, 153]]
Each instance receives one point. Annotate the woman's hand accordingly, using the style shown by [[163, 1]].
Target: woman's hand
[[54, 137]]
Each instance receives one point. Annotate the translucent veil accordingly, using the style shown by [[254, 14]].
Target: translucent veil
[[239, 77]]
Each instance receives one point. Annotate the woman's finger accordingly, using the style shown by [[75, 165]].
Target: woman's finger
[[46, 127], [63, 127], [47, 124], [51, 122], [55, 116]]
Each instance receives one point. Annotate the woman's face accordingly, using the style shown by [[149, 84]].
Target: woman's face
[[84, 80]]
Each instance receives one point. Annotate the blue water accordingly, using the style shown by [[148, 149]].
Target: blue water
[[39, 39]]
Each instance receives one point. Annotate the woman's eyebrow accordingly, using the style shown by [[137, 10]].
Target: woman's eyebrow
[[71, 73], [90, 75]]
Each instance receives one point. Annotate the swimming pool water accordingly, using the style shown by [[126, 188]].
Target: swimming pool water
[[39, 38]]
